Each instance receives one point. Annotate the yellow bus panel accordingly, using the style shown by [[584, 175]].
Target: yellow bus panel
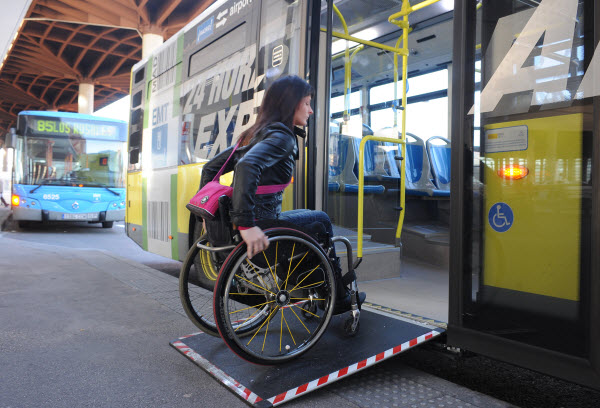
[[188, 181], [533, 224], [134, 199]]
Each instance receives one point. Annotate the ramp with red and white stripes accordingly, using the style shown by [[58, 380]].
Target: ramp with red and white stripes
[[334, 357]]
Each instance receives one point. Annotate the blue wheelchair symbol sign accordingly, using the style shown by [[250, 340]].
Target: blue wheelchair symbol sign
[[500, 217]]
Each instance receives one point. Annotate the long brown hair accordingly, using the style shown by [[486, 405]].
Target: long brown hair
[[279, 105]]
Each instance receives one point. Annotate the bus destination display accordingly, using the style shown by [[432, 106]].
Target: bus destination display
[[53, 127]]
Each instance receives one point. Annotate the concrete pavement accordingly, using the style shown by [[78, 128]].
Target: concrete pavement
[[85, 328]]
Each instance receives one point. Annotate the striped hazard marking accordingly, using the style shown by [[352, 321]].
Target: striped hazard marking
[[247, 395]]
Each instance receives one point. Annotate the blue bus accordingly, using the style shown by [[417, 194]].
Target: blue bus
[[69, 167]]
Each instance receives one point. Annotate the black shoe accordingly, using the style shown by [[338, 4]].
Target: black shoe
[[342, 305]]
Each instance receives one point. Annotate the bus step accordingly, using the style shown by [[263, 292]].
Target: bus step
[[427, 242]]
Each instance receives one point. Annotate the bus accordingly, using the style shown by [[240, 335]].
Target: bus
[[68, 167], [455, 142]]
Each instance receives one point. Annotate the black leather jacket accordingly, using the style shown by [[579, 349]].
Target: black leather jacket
[[268, 159]]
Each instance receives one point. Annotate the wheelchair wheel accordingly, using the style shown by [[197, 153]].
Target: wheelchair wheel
[[206, 262], [197, 295], [281, 280]]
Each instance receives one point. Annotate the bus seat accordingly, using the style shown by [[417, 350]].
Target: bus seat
[[375, 161], [343, 168], [418, 173], [438, 149]]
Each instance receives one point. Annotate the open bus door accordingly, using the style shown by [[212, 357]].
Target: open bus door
[[524, 282]]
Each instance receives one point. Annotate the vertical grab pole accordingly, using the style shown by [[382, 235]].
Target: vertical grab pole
[[361, 194], [404, 25], [361, 184]]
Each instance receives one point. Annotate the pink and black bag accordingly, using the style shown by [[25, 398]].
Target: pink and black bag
[[206, 201]]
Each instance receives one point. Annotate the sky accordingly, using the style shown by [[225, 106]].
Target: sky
[[116, 110]]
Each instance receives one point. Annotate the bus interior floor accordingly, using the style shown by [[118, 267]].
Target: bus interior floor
[[421, 290]]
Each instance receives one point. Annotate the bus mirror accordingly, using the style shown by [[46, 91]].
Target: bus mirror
[[10, 139]]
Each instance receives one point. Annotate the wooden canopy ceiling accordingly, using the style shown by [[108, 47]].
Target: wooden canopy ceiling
[[63, 43]]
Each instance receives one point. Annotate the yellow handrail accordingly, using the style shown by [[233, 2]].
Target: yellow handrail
[[369, 43], [361, 185], [403, 24], [407, 9]]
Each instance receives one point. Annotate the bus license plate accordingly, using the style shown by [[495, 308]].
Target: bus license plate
[[86, 216]]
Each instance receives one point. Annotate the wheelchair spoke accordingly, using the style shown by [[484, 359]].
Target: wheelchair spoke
[[300, 320], [312, 285], [296, 267], [308, 311], [270, 269], [260, 287], [288, 327], [261, 326], [244, 322], [281, 330], [289, 268], [265, 337], [251, 307], [307, 275]]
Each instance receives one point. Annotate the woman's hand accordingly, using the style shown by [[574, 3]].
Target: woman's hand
[[256, 240]]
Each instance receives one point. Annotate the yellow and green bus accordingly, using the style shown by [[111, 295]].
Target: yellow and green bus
[[455, 142]]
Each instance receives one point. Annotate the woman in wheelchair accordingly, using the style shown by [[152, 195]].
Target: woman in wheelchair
[[266, 156], [276, 291]]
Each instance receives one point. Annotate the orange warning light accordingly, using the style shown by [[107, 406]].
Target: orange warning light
[[15, 200], [513, 172]]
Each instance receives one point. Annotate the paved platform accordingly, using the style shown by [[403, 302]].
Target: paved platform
[[84, 327]]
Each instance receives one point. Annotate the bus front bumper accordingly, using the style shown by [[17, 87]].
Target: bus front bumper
[[34, 214]]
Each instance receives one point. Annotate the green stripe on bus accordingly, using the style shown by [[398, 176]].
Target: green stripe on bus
[[148, 92], [144, 214], [174, 226], [178, 70]]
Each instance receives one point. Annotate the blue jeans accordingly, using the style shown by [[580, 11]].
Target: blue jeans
[[303, 217]]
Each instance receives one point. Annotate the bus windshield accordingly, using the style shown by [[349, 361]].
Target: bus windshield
[[67, 152]]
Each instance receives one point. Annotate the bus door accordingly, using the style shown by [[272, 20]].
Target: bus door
[[363, 100], [522, 272]]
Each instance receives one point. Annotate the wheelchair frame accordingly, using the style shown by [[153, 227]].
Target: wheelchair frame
[[316, 308]]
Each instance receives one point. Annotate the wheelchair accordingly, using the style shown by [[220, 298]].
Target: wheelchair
[[273, 307]]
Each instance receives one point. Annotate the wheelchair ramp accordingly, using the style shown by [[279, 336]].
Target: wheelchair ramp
[[335, 356]]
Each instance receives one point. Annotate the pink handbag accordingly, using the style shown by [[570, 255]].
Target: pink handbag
[[206, 201]]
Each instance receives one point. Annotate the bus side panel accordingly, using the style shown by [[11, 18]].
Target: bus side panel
[[158, 228], [539, 252], [133, 214]]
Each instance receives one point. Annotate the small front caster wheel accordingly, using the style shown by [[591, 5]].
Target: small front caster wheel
[[348, 327]]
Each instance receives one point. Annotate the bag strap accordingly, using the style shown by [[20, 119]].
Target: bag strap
[[216, 178], [273, 188], [270, 189]]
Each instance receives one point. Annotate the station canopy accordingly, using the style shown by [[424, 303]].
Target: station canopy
[[52, 46]]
